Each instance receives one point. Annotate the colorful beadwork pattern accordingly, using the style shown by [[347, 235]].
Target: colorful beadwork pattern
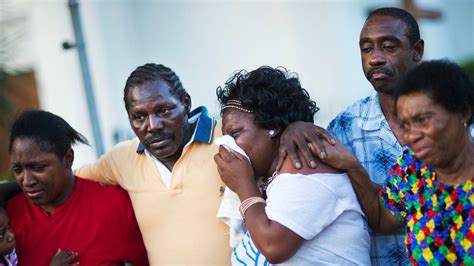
[[438, 216]]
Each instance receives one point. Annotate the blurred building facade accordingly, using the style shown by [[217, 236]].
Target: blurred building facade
[[205, 42]]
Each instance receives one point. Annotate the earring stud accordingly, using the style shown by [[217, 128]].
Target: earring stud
[[271, 132]]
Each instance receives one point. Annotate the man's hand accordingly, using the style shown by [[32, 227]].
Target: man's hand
[[63, 258], [379, 217], [307, 138]]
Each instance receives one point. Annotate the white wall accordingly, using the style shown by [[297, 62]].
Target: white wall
[[57, 71], [205, 41]]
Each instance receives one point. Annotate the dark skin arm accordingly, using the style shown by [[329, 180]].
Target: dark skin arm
[[299, 137], [276, 242], [379, 217], [7, 191]]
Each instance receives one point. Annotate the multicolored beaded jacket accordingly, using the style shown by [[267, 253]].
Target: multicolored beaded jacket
[[438, 217]]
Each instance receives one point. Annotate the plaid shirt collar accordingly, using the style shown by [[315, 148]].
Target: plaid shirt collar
[[373, 116]]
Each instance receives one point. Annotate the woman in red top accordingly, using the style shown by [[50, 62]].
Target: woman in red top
[[59, 211]]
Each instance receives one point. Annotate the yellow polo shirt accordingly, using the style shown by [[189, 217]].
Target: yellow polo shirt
[[179, 225]]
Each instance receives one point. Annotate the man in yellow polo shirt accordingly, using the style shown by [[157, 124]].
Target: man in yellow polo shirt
[[168, 171]]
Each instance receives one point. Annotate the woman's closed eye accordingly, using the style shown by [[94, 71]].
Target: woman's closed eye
[[234, 133]]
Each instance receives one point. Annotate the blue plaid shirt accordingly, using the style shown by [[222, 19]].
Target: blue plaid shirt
[[363, 129]]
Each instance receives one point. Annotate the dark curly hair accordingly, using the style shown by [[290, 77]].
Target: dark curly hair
[[445, 82], [153, 72], [273, 94]]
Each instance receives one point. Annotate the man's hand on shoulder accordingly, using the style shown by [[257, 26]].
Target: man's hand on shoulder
[[308, 139], [338, 156]]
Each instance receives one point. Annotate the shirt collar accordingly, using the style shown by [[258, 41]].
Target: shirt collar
[[374, 116], [204, 127], [376, 121]]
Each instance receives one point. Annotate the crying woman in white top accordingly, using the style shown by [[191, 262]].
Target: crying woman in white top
[[299, 216]]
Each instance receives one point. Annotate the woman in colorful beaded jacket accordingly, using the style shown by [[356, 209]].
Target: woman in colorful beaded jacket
[[430, 188]]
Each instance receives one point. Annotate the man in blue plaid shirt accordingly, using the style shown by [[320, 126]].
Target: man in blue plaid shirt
[[390, 46]]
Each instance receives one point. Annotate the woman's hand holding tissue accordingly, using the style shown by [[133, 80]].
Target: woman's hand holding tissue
[[236, 172]]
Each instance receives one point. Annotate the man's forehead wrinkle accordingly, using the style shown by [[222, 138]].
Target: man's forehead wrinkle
[[390, 26], [155, 99]]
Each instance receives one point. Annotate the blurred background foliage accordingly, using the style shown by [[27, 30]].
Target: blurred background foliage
[[17, 79]]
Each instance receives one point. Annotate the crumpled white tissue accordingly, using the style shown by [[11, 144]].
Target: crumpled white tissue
[[229, 209], [229, 141]]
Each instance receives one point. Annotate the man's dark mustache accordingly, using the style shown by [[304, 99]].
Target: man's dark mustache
[[158, 136], [379, 70]]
